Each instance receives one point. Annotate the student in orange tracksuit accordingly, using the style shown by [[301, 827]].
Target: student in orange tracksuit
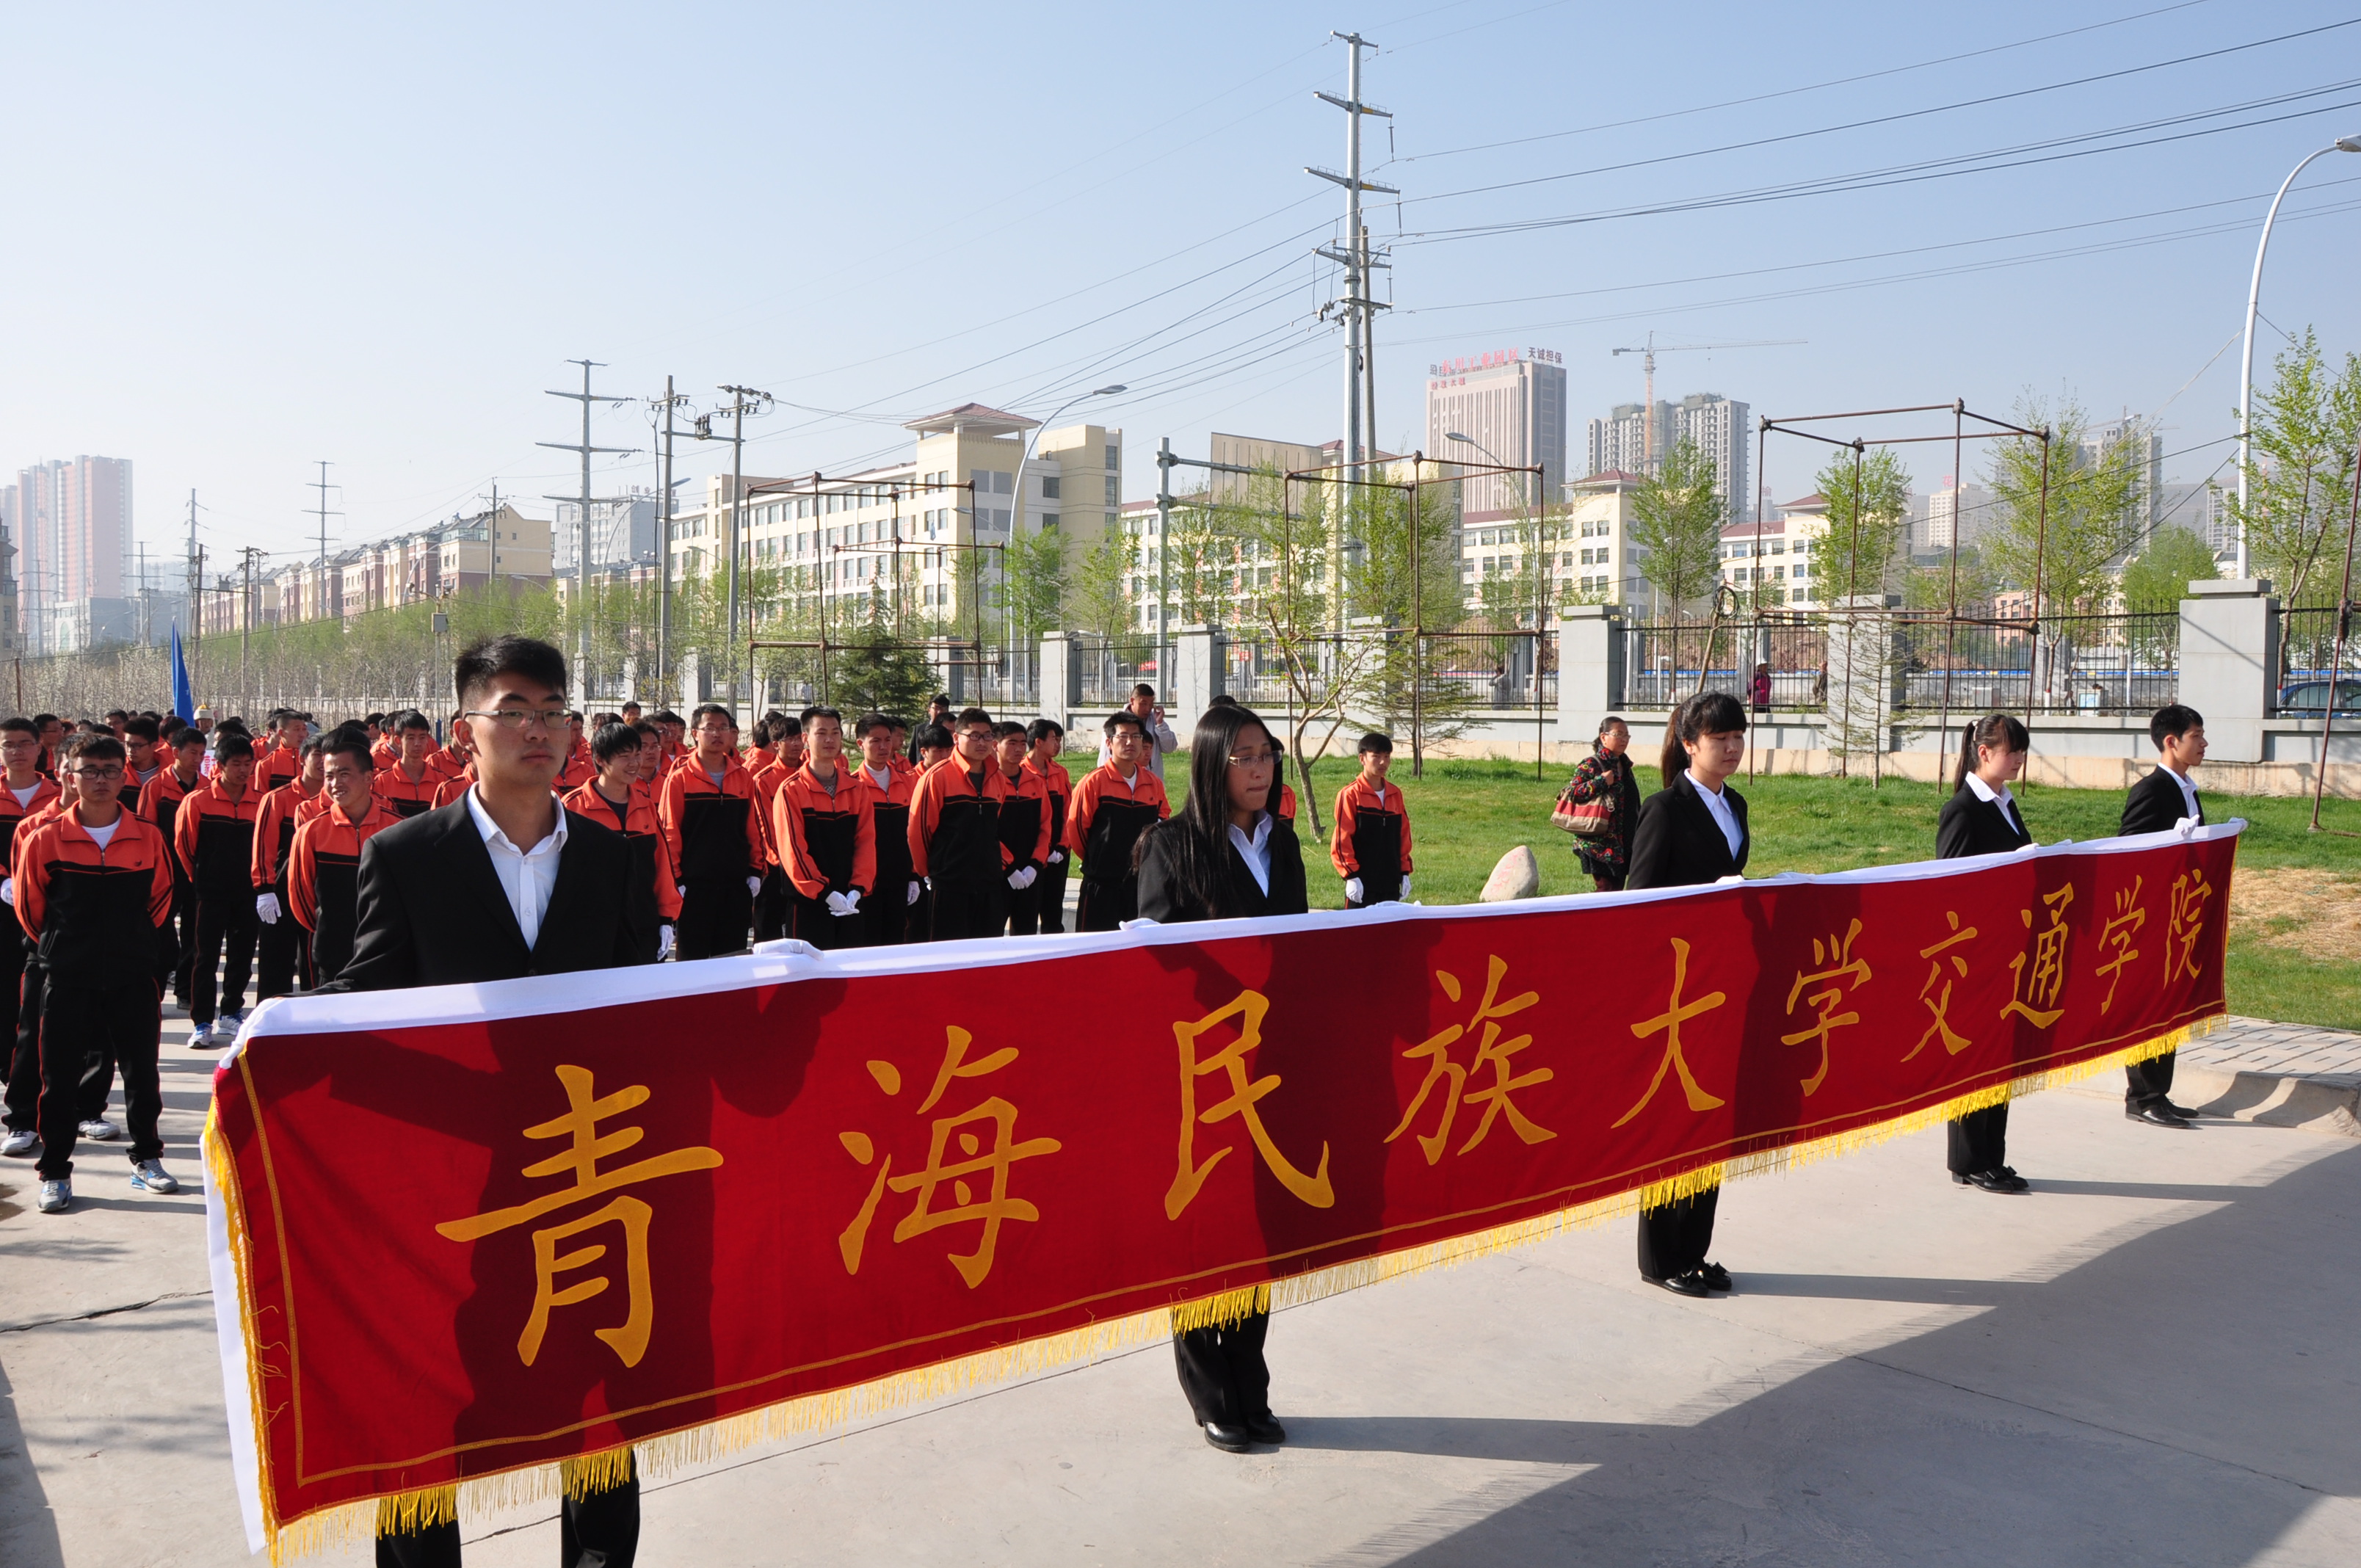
[[24, 794], [616, 796], [955, 836], [1113, 806], [213, 835], [766, 763], [1369, 841], [280, 958], [1048, 738], [279, 758], [824, 821], [719, 847], [889, 783], [160, 806], [324, 867], [408, 784], [1024, 827], [93, 890], [451, 759], [578, 768]]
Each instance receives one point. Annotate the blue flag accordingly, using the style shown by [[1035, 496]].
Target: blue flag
[[184, 701]]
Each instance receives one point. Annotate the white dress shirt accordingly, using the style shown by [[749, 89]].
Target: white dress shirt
[[2187, 790], [526, 876], [1161, 739], [1256, 851], [2007, 802], [1724, 816]]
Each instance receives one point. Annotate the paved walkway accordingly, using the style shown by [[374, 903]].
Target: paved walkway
[[2286, 1075]]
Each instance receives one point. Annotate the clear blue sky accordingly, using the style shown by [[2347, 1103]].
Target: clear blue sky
[[245, 238]]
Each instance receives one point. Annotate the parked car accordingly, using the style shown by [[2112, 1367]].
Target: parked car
[[2312, 697]]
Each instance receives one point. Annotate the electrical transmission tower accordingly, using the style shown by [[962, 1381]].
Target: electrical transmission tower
[[1357, 308], [582, 555], [322, 485], [743, 400]]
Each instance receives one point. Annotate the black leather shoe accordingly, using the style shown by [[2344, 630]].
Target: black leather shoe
[[1991, 1180], [2157, 1116], [1716, 1277], [2183, 1111], [1228, 1439], [1690, 1284], [1265, 1428]]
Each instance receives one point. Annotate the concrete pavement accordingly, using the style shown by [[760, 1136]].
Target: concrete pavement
[[2147, 1360]]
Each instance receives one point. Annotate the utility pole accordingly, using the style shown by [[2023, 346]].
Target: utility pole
[[743, 400], [582, 554], [493, 528], [246, 611], [1356, 304], [196, 581], [665, 485], [145, 639], [323, 486]]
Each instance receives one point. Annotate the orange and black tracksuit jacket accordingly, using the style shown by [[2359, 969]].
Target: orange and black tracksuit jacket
[[889, 814], [98, 916], [450, 764], [213, 835], [955, 826], [714, 831], [324, 879], [635, 820], [455, 785], [1285, 811], [159, 807], [282, 811], [827, 838], [577, 769], [1024, 821], [14, 819], [1370, 838], [1106, 820], [383, 753], [274, 766], [406, 797], [1058, 793]]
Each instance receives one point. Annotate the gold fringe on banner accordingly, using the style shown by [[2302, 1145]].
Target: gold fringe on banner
[[354, 1523]]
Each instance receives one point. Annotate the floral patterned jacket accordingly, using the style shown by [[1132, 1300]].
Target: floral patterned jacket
[[1599, 777]]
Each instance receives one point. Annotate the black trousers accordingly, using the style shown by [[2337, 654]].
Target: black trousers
[[1378, 887], [23, 1043], [1223, 1370], [1024, 906], [1675, 1236], [601, 1530], [887, 913], [24, 1092], [969, 907], [714, 913], [816, 923], [184, 932], [2149, 1083], [281, 953], [225, 929], [1979, 1140], [1050, 898], [1106, 905], [774, 909], [78, 1021]]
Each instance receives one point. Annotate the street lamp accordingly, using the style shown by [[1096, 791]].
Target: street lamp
[[2247, 363], [1017, 521], [1522, 495]]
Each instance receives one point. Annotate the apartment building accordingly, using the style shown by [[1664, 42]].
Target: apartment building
[[1722, 428], [1770, 563], [460, 555], [72, 525], [1511, 403]]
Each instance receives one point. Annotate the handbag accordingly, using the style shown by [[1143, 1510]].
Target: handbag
[[1585, 819]]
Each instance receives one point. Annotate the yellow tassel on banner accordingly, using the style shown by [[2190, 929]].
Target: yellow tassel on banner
[[351, 1524]]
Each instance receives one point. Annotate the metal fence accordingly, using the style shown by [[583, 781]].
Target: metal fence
[[2077, 663], [2309, 640], [1106, 668]]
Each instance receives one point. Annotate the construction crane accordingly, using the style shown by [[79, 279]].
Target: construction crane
[[1649, 350]]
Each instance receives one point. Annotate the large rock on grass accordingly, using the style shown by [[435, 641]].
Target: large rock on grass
[[1518, 875]]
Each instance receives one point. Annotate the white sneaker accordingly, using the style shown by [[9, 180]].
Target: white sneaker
[[17, 1146], [207, 1036], [150, 1176], [229, 1024], [99, 1130], [55, 1197]]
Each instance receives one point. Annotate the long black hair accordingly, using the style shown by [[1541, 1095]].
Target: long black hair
[[1195, 840], [1992, 730], [1707, 713]]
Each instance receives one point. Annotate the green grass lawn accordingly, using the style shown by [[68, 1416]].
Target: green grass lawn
[[1465, 815]]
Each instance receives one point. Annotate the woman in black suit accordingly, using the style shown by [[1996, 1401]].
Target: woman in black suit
[[1224, 855], [1982, 818], [1691, 833]]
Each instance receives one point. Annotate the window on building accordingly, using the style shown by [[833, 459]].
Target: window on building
[[1049, 487], [1114, 458], [1113, 491], [1049, 522]]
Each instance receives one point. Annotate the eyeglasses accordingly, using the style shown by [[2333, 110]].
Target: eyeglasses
[[519, 717], [1253, 759], [97, 774]]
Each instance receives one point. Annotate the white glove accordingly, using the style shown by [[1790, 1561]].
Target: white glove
[[753, 886], [1135, 925], [843, 904], [8, 891], [1020, 878], [915, 886], [1352, 890], [663, 941], [2027, 848], [1057, 857], [1729, 880], [266, 905], [1405, 892], [2185, 826]]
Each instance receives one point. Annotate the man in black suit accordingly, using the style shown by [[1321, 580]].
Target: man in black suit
[[502, 883], [2157, 803]]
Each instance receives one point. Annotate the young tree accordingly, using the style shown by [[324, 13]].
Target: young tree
[[1869, 516], [2158, 579], [2304, 430], [1676, 519], [1406, 576], [1098, 595], [1036, 584]]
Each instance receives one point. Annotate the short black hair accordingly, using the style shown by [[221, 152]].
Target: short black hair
[[1123, 716], [612, 741], [98, 748], [1222, 700], [932, 737], [1007, 727], [646, 730], [941, 699], [46, 720], [1041, 729], [412, 718], [311, 744], [231, 743], [343, 741], [781, 726], [812, 713], [145, 727], [20, 725], [666, 715], [192, 736], [2173, 720], [1373, 741], [376, 719], [697, 715], [868, 721], [486, 659], [1144, 689], [115, 713], [968, 716]]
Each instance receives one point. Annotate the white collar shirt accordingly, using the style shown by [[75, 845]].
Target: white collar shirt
[[2187, 789], [1255, 850], [527, 876], [1724, 816], [2007, 802]]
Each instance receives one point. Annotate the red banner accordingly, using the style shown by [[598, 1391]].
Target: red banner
[[469, 1231]]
